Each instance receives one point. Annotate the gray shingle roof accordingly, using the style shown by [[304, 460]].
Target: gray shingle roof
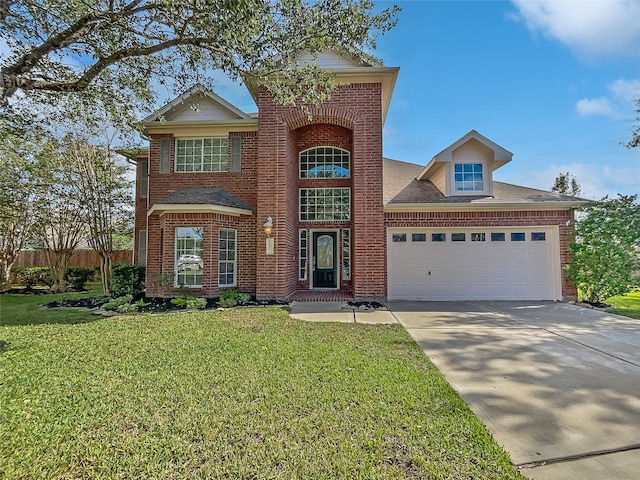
[[400, 186], [204, 196]]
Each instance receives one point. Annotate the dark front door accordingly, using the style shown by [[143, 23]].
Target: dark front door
[[324, 260]]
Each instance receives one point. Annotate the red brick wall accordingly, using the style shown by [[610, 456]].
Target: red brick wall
[[242, 185], [352, 119], [495, 219], [163, 245]]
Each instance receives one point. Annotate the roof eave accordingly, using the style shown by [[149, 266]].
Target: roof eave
[[482, 207], [164, 208]]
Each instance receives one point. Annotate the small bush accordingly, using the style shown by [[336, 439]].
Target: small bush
[[127, 279], [33, 276], [116, 303], [77, 277], [231, 298]]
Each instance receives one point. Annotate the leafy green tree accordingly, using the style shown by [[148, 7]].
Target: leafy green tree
[[17, 200], [606, 250], [61, 216], [566, 184], [111, 55], [107, 191]]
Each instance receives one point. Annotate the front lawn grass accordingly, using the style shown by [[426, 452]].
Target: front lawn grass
[[627, 305], [24, 309], [243, 393]]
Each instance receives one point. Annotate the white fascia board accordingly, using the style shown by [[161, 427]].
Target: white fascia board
[[196, 89], [162, 208], [250, 125], [467, 207]]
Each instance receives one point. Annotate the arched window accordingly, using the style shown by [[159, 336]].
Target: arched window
[[324, 162]]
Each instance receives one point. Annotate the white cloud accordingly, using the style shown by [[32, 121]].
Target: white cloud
[[600, 106], [622, 95], [626, 90], [591, 29]]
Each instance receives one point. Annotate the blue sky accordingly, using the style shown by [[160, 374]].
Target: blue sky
[[551, 81]]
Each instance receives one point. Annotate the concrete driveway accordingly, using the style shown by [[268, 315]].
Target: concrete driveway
[[557, 385]]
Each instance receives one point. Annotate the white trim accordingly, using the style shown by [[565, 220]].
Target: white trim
[[176, 284], [198, 129], [235, 258], [162, 208], [300, 177], [349, 189], [202, 139], [337, 260], [196, 89], [479, 207]]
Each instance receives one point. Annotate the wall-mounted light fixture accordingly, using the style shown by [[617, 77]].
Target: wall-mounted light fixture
[[270, 242], [268, 226]]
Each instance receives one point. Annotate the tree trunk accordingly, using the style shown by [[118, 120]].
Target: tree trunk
[[58, 262], [5, 274], [106, 265]]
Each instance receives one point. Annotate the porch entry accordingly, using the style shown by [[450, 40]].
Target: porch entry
[[325, 260]]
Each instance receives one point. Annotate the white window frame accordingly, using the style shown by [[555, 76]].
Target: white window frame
[[226, 262], [303, 257], [303, 212], [346, 254], [468, 191], [328, 158], [190, 251], [217, 162]]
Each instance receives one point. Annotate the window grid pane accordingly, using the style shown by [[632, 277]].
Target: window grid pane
[[324, 162], [346, 254], [468, 177], [329, 204], [202, 155], [189, 264], [226, 258], [302, 275]]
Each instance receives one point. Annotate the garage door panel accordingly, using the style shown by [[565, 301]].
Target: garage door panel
[[491, 270]]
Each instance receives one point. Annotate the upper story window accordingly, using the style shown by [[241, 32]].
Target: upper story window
[[202, 155], [324, 162], [468, 177]]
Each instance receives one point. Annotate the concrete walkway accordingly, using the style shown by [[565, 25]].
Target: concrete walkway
[[557, 385], [339, 312]]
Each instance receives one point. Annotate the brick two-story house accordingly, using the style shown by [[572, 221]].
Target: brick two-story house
[[288, 203]]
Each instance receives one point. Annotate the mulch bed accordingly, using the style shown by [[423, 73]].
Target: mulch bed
[[156, 305]]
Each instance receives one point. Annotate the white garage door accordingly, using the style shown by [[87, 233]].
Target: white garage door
[[511, 263]]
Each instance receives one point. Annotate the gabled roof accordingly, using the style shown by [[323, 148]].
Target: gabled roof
[[191, 94], [347, 68], [402, 190], [501, 155], [216, 200]]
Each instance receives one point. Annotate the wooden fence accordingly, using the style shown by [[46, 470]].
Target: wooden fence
[[80, 258]]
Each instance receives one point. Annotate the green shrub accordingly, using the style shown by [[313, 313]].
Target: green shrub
[[77, 277], [191, 303], [231, 298], [33, 276], [116, 303], [127, 279]]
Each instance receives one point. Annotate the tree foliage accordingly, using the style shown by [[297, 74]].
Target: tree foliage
[[635, 130], [606, 250], [17, 199], [566, 184], [112, 54], [107, 192]]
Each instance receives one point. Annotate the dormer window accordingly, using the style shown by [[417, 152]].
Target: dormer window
[[468, 177], [324, 162]]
